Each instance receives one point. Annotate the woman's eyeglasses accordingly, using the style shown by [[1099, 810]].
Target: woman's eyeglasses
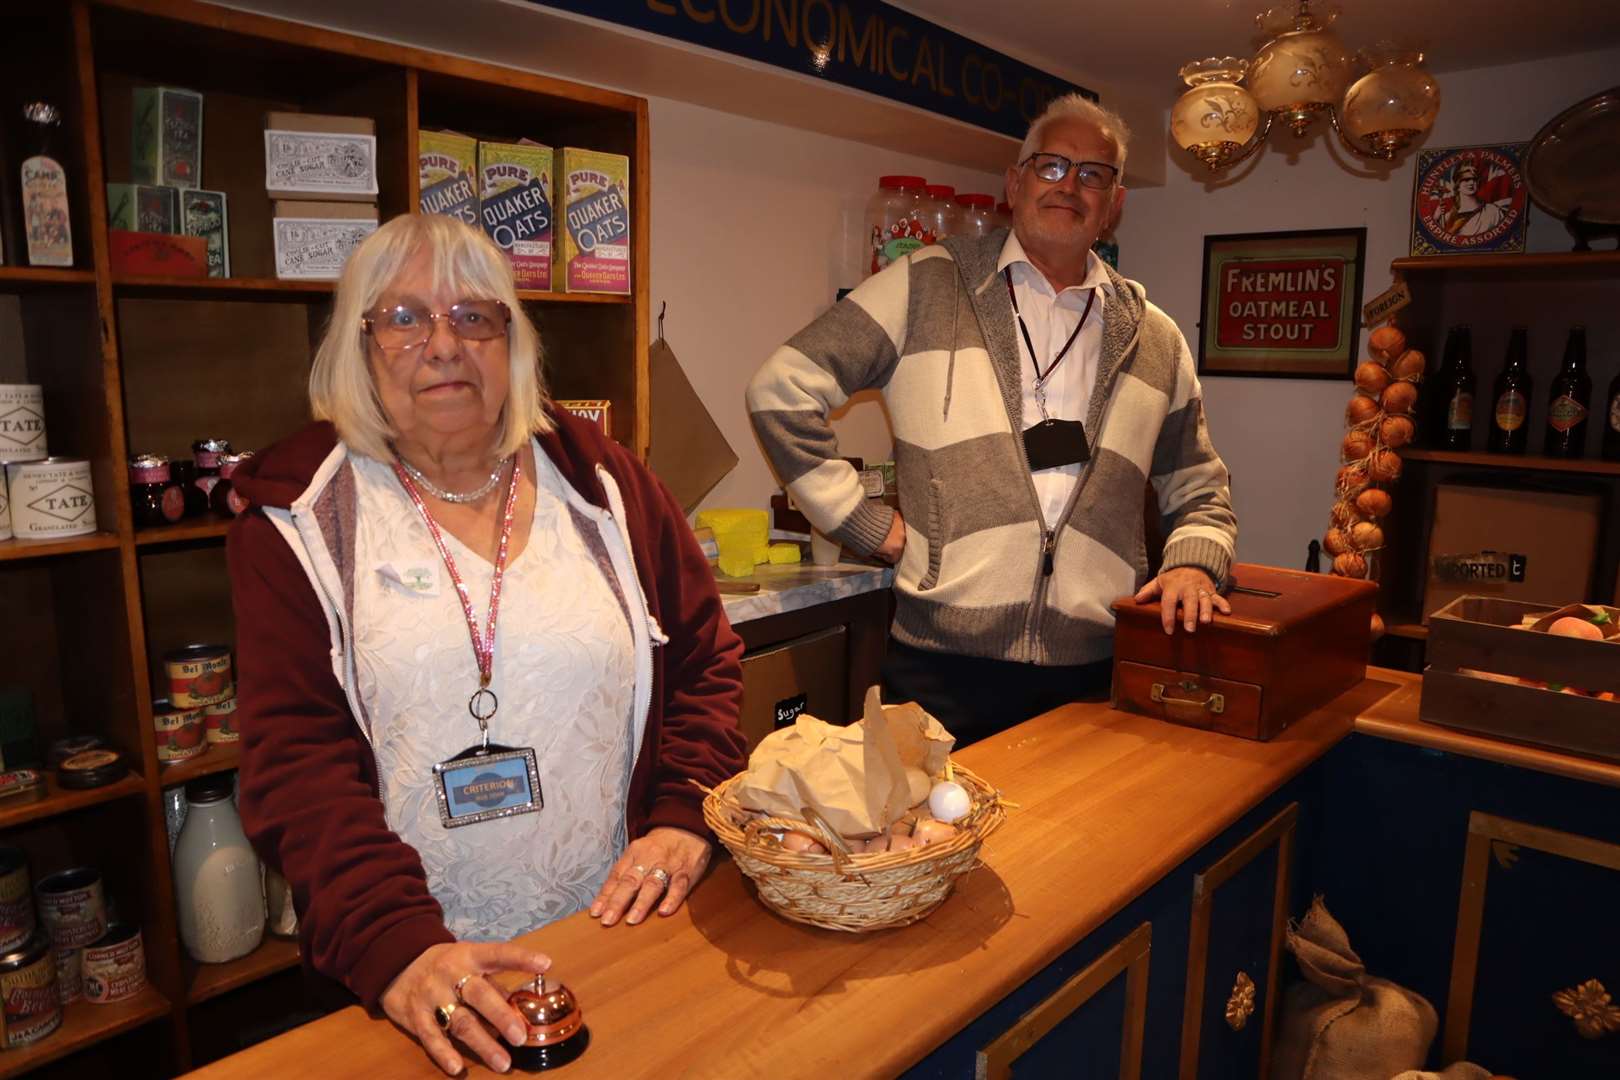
[[1054, 167], [405, 326]]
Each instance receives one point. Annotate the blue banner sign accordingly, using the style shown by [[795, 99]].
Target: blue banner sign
[[863, 44]]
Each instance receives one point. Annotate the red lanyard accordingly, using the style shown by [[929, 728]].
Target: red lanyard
[[1041, 377], [483, 647]]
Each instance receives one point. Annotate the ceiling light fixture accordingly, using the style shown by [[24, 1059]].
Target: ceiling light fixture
[[1303, 70]]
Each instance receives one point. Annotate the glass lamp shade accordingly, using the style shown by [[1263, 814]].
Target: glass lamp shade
[[1394, 103], [1300, 72], [1216, 117]]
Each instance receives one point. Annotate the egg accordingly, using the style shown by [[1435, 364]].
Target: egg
[[1350, 565], [1396, 431], [1570, 626], [1399, 397], [949, 800], [1386, 342], [1356, 445], [1409, 365], [1372, 377], [802, 842], [902, 843], [1361, 409], [1374, 503], [875, 846], [930, 831]]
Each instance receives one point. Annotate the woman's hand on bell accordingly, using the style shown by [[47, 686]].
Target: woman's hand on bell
[[451, 977], [659, 868]]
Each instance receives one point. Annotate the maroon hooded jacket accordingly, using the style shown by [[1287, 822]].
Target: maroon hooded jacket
[[309, 797]]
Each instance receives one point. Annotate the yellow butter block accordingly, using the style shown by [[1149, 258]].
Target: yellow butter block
[[762, 551], [736, 563], [784, 554], [727, 520]]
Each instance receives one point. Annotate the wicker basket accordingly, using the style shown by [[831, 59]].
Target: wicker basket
[[851, 892]]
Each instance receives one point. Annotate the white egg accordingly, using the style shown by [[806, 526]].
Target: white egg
[[948, 801]]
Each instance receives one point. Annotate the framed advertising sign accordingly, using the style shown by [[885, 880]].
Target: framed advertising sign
[[1284, 304], [1469, 199]]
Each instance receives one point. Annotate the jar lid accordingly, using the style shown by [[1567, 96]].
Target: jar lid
[[70, 880], [148, 461], [116, 934], [976, 199], [91, 769], [211, 789], [66, 747], [902, 183], [198, 651], [212, 445], [228, 462], [941, 191]]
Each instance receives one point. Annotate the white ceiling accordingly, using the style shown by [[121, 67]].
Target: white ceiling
[[1142, 43]]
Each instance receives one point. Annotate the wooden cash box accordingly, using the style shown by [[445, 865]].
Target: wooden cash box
[[1293, 642]]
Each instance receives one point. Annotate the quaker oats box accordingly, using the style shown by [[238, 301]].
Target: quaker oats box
[[143, 208], [166, 146], [446, 163], [203, 213], [595, 195], [515, 203], [312, 239], [326, 158]]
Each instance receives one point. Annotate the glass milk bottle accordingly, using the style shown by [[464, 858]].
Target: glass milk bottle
[[216, 876]]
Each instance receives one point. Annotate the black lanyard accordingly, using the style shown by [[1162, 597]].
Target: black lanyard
[[1040, 376]]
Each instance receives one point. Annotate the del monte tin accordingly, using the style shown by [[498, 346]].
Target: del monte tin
[[198, 675]]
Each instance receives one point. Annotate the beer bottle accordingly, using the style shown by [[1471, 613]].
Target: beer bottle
[[1567, 404], [1451, 417], [1611, 422], [1510, 401]]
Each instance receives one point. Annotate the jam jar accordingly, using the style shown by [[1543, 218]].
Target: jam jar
[[184, 471], [223, 499], [156, 497], [206, 452]]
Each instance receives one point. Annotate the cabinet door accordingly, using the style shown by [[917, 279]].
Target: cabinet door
[[1239, 909], [1536, 963], [809, 674], [1079, 1028]]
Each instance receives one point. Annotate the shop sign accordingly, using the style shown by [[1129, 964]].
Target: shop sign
[[862, 44]]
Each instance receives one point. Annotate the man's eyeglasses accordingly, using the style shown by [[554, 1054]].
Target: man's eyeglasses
[[405, 326], [1052, 168]]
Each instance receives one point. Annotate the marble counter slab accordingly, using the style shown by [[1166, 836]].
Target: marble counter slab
[[785, 588]]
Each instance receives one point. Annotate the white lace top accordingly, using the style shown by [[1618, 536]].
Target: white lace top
[[564, 673]]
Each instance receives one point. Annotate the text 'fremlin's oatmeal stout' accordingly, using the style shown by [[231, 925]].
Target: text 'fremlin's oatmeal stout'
[[515, 203], [594, 189]]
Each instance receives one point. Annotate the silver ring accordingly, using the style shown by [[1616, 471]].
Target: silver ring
[[444, 1014], [660, 874], [461, 982]]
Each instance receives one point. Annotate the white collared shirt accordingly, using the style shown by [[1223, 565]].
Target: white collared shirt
[[1051, 317]]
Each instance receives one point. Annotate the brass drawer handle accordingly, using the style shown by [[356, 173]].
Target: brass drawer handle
[[1214, 703]]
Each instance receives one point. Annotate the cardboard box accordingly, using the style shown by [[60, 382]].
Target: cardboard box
[[167, 137], [157, 254], [594, 189], [143, 208], [446, 164], [204, 214], [313, 239], [312, 156], [1536, 546], [515, 203], [598, 412]]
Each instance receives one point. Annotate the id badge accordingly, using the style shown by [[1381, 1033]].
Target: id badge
[[479, 784], [1051, 444]]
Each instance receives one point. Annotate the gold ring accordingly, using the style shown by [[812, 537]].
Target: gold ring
[[444, 1013], [461, 982], [660, 874]]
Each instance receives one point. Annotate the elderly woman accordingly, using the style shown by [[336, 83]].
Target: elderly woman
[[480, 653]]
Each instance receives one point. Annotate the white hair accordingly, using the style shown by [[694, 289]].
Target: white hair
[[1079, 107]]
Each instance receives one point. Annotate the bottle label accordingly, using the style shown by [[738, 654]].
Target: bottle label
[[1565, 412], [1460, 412], [1614, 413], [45, 213], [1511, 409]]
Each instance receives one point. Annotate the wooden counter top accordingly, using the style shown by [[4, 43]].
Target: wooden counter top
[[1109, 801]]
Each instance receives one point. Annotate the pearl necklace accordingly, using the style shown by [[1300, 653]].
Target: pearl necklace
[[452, 496]]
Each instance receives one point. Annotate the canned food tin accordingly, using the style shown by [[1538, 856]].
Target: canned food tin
[[51, 498], [70, 746], [115, 966], [72, 907], [222, 721], [22, 422], [179, 731], [198, 675], [16, 900], [92, 769], [69, 974], [30, 1007], [5, 509]]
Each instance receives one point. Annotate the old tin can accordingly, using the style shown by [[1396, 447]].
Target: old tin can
[[222, 721], [179, 731], [51, 498], [92, 769], [16, 900], [72, 907], [115, 966], [32, 1008], [198, 675], [22, 422]]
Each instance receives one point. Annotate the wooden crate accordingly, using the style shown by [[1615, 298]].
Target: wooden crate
[[1474, 634]]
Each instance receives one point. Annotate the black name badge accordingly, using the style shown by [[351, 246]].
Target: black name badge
[[478, 785], [1051, 444]]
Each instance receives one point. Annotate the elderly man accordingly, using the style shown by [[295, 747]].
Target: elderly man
[[1033, 394]]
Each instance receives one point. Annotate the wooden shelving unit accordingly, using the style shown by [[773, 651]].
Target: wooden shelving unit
[[134, 364], [1515, 462]]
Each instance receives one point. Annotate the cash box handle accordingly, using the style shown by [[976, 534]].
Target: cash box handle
[[1213, 703]]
